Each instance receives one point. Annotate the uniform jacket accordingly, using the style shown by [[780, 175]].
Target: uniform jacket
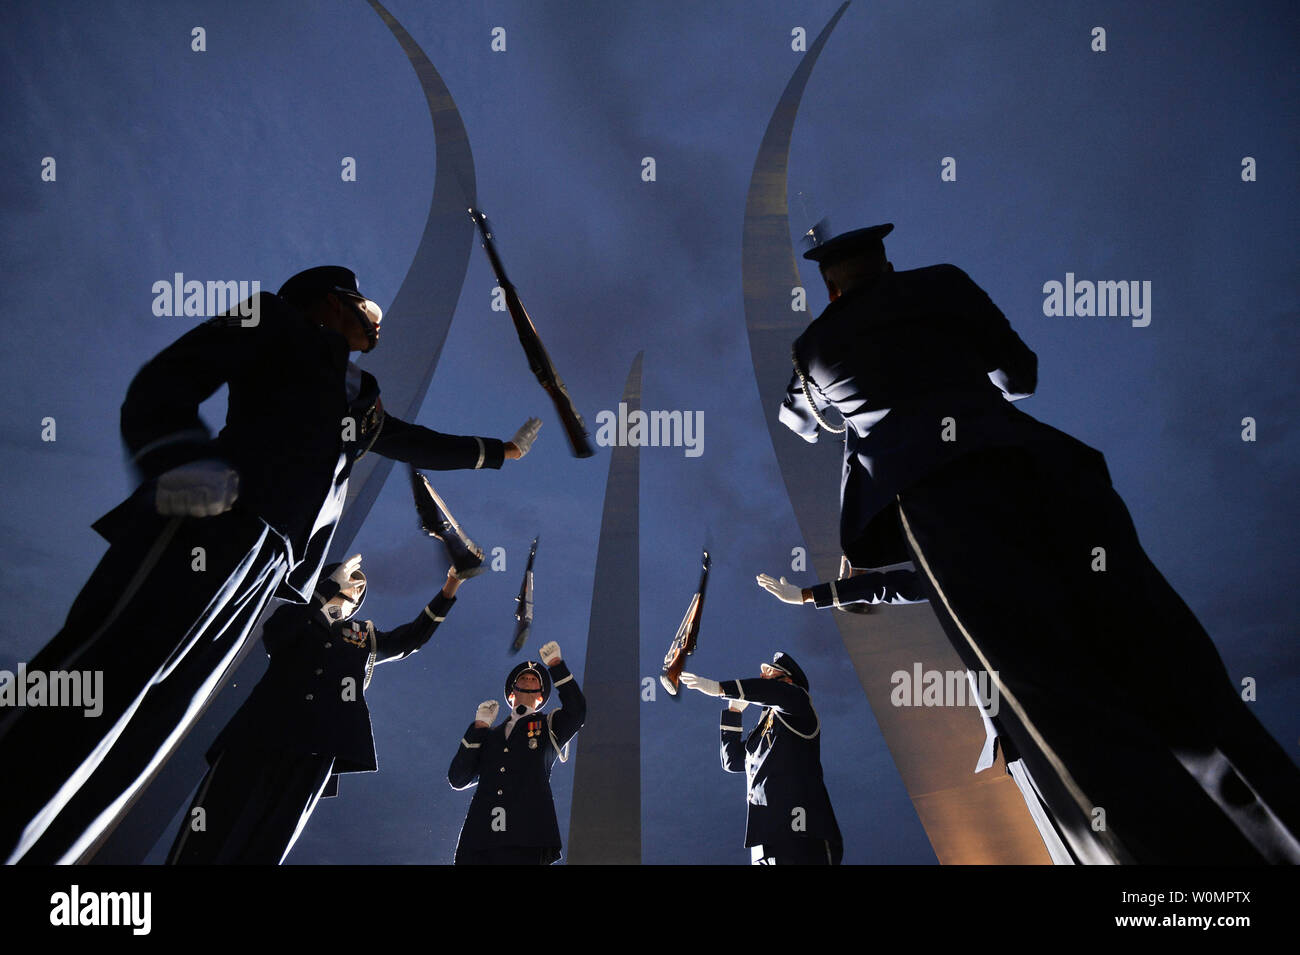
[[781, 760], [291, 387], [896, 358], [898, 585], [312, 698], [514, 774]]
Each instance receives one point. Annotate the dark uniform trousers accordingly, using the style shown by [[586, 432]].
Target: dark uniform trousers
[[251, 807], [511, 819], [305, 722], [789, 819], [1111, 690], [119, 626]]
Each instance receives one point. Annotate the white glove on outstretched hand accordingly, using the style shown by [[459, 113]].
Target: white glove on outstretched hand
[[781, 589], [550, 653], [527, 433], [343, 573], [487, 712], [198, 489], [703, 684]]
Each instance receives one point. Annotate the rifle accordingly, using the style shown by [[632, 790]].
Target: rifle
[[436, 521], [538, 360], [688, 634], [524, 612]]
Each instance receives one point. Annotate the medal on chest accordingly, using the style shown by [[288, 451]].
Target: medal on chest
[[534, 728], [356, 633]]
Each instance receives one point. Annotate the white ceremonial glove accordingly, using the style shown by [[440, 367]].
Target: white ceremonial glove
[[527, 433], [487, 712], [703, 684], [343, 573], [781, 589], [198, 489], [550, 653], [737, 706]]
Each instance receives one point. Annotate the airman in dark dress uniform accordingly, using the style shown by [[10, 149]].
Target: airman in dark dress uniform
[[216, 527], [1111, 691], [511, 819], [305, 723], [790, 819]]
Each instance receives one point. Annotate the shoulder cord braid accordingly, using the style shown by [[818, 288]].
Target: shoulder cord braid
[[562, 753], [374, 652], [807, 393], [811, 735]]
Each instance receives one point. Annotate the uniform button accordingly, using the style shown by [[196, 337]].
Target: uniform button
[[503, 769], [498, 792], [328, 644], [309, 696], [505, 749], [319, 671]]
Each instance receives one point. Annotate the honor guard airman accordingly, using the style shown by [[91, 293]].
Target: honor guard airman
[[1111, 691], [511, 819], [790, 820], [216, 527], [305, 724]]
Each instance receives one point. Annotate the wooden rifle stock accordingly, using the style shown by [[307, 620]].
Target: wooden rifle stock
[[688, 634]]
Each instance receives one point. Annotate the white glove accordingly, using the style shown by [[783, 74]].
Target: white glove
[[198, 489], [523, 439], [703, 684], [737, 706], [343, 573], [487, 712], [550, 653], [781, 589]]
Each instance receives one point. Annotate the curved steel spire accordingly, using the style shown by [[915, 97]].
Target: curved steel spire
[[416, 323]]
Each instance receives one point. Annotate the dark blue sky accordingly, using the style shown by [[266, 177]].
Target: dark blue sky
[[225, 165]]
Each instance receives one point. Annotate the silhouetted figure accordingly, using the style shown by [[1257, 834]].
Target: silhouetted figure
[[216, 527], [1111, 690], [305, 724]]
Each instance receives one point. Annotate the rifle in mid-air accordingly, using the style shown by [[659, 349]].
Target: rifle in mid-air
[[688, 634], [524, 612], [538, 360], [436, 521]]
